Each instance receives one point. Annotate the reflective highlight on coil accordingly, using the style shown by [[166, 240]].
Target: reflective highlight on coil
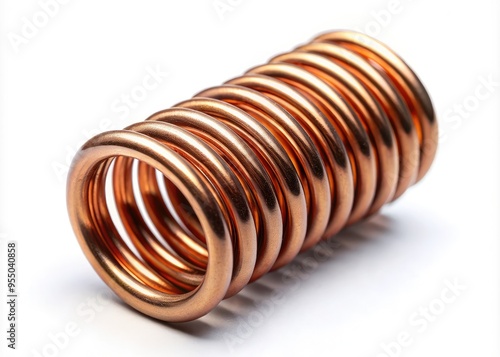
[[184, 209]]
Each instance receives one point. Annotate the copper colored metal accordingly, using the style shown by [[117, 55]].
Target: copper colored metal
[[184, 209]]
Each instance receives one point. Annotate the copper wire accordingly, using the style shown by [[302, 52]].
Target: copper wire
[[216, 191]]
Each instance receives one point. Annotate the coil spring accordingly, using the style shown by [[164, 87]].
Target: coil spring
[[218, 190]]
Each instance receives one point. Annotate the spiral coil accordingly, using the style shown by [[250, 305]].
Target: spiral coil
[[182, 210]]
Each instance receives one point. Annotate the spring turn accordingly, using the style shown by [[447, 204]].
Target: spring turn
[[182, 210]]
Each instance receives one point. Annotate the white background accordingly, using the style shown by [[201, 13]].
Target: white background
[[62, 83]]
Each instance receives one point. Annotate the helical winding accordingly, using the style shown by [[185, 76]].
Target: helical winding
[[186, 208]]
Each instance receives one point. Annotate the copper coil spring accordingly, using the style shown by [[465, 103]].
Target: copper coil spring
[[218, 190]]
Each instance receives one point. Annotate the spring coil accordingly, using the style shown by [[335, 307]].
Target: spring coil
[[184, 209]]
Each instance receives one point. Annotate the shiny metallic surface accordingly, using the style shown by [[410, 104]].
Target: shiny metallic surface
[[186, 208]]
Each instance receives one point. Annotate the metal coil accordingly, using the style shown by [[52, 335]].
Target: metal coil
[[182, 210]]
